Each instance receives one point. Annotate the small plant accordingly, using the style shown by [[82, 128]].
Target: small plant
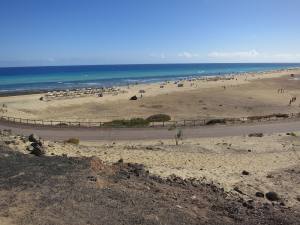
[[135, 122], [62, 125], [293, 134], [178, 136], [74, 141], [159, 118], [216, 121]]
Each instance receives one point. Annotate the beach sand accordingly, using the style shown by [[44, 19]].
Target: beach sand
[[246, 95]]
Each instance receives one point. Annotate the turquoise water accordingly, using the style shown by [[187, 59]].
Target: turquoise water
[[67, 77]]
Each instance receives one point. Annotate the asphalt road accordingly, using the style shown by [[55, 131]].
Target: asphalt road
[[94, 134]]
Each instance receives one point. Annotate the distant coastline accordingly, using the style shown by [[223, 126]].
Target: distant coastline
[[31, 80]]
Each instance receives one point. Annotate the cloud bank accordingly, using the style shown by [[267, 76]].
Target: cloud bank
[[187, 55], [239, 54], [254, 55]]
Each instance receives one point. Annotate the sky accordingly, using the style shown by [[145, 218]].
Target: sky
[[85, 32]]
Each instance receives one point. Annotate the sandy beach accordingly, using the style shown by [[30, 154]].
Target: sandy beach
[[251, 94]]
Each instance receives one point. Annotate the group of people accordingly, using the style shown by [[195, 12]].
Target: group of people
[[282, 90]]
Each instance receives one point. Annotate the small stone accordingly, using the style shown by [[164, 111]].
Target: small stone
[[260, 194], [38, 150], [245, 173], [8, 142], [238, 190], [282, 204], [33, 138], [92, 178], [256, 135], [272, 196], [133, 98]]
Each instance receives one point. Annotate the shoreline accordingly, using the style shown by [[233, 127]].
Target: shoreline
[[182, 78]]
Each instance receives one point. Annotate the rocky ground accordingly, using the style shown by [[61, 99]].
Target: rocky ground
[[52, 189]]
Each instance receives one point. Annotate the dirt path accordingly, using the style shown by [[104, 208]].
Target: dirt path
[[95, 134]]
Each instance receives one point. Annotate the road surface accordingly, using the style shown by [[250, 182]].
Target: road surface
[[94, 134]]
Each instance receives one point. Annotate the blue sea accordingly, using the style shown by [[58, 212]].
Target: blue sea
[[19, 79]]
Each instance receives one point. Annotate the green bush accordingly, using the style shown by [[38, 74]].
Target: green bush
[[62, 125], [74, 141], [135, 122], [216, 121], [159, 118]]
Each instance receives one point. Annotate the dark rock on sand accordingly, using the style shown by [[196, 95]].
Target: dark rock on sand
[[272, 196], [133, 98], [256, 135], [92, 178], [245, 173], [38, 150], [259, 194], [33, 138], [238, 190]]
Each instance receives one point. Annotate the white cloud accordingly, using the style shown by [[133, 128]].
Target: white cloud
[[187, 55], [240, 54], [254, 55], [287, 56], [161, 55]]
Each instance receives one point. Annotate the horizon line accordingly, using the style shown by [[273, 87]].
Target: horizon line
[[133, 64]]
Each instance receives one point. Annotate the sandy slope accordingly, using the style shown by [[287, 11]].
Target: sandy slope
[[272, 161], [63, 190]]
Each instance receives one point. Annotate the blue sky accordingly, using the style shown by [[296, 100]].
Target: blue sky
[[67, 32]]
